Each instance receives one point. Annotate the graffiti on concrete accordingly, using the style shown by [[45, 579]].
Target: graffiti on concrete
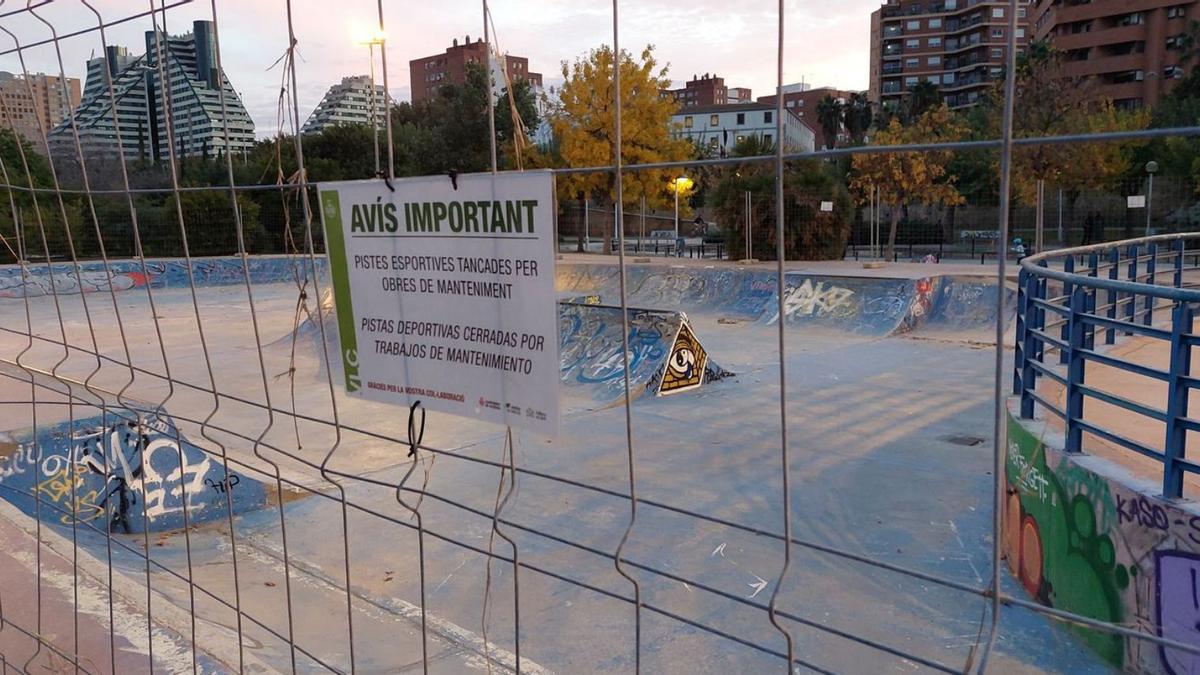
[[686, 365], [1084, 542], [125, 467], [37, 280], [815, 299]]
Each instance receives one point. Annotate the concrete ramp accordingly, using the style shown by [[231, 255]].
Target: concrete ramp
[[665, 356], [130, 468]]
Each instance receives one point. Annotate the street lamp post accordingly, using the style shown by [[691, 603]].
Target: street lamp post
[[376, 38], [1151, 168], [677, 185]]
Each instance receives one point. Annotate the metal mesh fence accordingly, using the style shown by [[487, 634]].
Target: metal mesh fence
[[336, 529]]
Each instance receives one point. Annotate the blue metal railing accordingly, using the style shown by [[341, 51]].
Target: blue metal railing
[[1137, 287]]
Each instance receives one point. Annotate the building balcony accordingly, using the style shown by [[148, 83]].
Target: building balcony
[[1099, 36], [893, 68], [1107, 64]]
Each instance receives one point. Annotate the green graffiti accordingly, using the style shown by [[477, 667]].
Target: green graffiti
[[1078, 560]]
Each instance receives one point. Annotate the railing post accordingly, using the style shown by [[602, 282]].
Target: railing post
[[1068, 291], [1114, 266], [1019, 340], [1175, 447], [1093, 272], [1075, 371], [1151, 268], [1089, 328], [1179, 254], [1040, 318], [1032, 347], [1131, 307]]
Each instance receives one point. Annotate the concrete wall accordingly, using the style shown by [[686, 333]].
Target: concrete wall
[[1084, 535]]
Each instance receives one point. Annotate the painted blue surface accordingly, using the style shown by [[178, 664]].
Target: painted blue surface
[[40, 279], [123, 467], [1115, 299], [861, 305]]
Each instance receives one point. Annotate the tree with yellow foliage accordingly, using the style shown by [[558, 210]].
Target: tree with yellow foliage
[[910, 177], [583, 124]]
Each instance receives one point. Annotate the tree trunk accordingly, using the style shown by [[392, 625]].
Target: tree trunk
[[891, 245]]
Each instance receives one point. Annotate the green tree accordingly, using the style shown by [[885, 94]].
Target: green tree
[[857, 117], [809, 232], [583, 124], [829, 116]]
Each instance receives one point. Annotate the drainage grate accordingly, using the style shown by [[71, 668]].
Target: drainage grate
[[969, 441]]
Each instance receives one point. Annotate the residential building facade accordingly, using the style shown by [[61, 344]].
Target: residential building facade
[[802, 101], [958, 45], [36, 104], [189, 97], [431, 73], [349, 102], [1134, 49], [114, 60], [708, 89], [721, 127]]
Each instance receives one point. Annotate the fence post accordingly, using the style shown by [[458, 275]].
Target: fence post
[[1114, 265], [1179, 254], [1069, 303], [1075, 371], [1131, 308], [1040, 317], [1177, 400], [1019, 339], [1030, 348]]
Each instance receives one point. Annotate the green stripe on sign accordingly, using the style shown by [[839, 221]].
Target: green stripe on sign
[[335, 242]]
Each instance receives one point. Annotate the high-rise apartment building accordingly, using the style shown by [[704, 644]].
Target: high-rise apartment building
[[958, 45], [1134, 49], [36, 104], [349, 102], [802, 100], [431, 73], [189, 96]]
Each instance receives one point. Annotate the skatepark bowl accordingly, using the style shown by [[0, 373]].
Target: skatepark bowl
[[175, 496]]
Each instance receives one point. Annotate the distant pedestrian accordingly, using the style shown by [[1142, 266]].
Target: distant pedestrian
[[1089, 228], [1018, 248]]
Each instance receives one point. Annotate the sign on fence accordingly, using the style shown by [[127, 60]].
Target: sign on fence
[[445, 293], [1136, 201]]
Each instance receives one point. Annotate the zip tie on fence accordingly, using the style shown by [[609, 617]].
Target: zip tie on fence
[[453, 174], [415, 435]]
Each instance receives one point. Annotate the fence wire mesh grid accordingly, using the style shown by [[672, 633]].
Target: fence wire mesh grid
[[185, 487]]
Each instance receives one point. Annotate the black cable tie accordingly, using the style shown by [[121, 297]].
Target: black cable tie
[[453, 178], [415, 436], [386, 181]]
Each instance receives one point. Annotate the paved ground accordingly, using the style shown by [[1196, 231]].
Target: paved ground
[[878, 468]]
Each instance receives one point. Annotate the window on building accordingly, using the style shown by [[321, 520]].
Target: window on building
[[767, 138], [1176, 41], [1177, 12], [935, 23], [912, 64], [714, 120], [912, 25], [741, 138], [997, 53], [910, 82], [935, 61], [997, 32], [768, 117], [1134, 19], [935, 42], [1172, 72], [997, 12], [741, 118], [791, 104], [951, 4], [687, 122], [1020, 33], [948, 78], [800, 103]]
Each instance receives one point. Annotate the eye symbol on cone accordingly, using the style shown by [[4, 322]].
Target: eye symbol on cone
[[683, 362]]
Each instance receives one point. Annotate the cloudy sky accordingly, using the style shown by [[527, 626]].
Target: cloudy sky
[[827, 42]]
